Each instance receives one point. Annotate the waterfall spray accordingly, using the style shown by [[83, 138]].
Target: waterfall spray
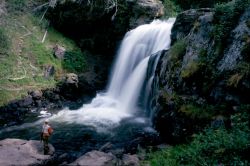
[[127, 79]]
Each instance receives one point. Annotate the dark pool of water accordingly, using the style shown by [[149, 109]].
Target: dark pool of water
[[76, 139]]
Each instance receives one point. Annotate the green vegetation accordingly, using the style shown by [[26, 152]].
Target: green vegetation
[[178, 50], [196, 112], [242, 71], [190, 70], [23, 56], [171, 9], [212, 147], [74, 61], [227, 16], [4, 41]]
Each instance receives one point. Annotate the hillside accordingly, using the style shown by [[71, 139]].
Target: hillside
[[24, 57]]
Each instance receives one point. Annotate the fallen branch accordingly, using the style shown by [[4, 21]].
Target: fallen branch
[[19, 78], [12, 89], [33, 67], [44, 36], [40, 7]]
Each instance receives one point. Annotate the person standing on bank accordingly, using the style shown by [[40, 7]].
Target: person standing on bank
[[46, 133]]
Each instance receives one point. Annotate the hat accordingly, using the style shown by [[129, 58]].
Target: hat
[[46, 121]]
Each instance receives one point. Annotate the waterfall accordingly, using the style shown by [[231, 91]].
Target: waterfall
[[127, 78]]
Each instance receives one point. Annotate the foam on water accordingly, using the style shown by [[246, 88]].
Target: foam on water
[[120, 100]]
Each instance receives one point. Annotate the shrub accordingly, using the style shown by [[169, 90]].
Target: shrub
[[178, 50], [171, 9], [194, 112], [212, 147], [74, 61], [191, 68]]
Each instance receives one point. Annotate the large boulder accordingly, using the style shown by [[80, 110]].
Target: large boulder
[[18, 152], [95, 158]]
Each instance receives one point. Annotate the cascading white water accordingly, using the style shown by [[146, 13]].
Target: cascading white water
[[129, 71]]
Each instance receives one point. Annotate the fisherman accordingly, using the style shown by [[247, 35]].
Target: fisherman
[[46, 133]]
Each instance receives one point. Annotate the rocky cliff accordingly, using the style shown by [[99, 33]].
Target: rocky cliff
[[203, 79], [97, 25]]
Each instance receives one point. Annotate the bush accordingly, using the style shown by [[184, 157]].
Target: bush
[[171, 9], [178, 50], [212, 147], [196, 112], [74, 61], [4, 41]]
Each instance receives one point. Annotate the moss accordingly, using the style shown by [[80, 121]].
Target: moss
[[74, 61], [227, 16], [196, 26], [196, 112], [191, 69], [171, 9], [178, 50], [234, 80], [170, 97]]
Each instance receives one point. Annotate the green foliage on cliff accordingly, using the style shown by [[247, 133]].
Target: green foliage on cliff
[[177, 51], [227, 16], [211, 147], [196, 112], [171, 9]]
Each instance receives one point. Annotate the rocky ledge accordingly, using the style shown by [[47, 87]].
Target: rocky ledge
[[18, 152]]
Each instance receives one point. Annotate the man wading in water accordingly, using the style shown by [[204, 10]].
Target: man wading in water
[[46, 132]]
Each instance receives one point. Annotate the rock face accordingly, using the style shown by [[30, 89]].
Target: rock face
[[98, 24], [18, 152], [196, 80]]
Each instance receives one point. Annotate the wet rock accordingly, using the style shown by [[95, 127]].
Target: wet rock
[[240, 38], [144, 11], [37, 94], [71, 78], [95, 158], [130, 160], [26, 102], [185, 22], [18, 152], [59, 51]]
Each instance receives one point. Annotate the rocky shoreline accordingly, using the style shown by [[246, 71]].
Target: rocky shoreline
[[70, 92], [17, 152]]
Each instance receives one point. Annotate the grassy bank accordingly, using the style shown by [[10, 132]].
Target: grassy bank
[[23, 56]]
